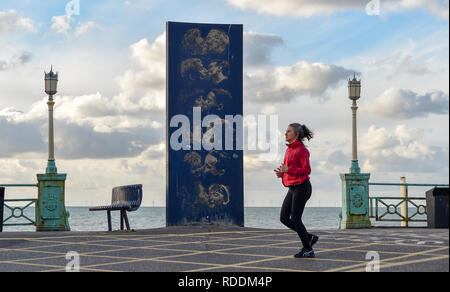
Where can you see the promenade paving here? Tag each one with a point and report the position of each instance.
(211, 248)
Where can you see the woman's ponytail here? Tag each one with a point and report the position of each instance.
(307, 133)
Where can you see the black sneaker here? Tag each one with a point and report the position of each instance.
(305, 254)
(314, 239)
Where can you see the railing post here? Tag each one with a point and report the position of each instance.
(404, 205)
(2, 201)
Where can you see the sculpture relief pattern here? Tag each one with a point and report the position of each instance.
(205, 72)
(215, 72)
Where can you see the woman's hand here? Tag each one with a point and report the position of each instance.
(278, 173)
(283, 168)
(280, 170)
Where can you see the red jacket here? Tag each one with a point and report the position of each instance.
(297, 160)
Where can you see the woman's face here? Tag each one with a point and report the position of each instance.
(290, 134)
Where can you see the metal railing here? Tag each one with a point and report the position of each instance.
(405, 202)
(18, 212)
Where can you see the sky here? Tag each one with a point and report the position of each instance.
(298, 54)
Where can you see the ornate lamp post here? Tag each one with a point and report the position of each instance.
(51, 84)
(354, 93)
(51, 210)
(355, 185)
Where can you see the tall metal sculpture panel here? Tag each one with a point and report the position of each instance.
(204, 78)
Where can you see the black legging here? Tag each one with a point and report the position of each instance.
(292, 210)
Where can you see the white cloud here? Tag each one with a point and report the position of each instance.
(285, 83)
(140, 5)
(377, 139)
(381, 144)
(156, 151)
(407, 135)
(381, 150)
(406, 104)
(150, 76)
(11, 21)
(84, 27)
(438, 8)
(269, 109)
(400, 150)
(61, 24)
(400, 63)
(300, 8)
(12, 61)
(308, 8)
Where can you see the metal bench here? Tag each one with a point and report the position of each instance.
(124, 199)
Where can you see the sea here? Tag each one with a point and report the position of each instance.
(81, 219)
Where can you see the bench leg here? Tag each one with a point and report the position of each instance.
(109, 220)
(125, 216)
(121, 219)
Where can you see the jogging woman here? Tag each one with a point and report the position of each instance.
(294, 173)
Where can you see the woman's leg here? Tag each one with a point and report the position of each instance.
(285, 216)
(286, 208)
(300, 196)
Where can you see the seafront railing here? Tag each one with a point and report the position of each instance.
(18, 213)
(380, 207)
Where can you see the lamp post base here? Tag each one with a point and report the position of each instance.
(51, 167)
(51, 212)
(355, 201)
(355, 167)
(354, 224)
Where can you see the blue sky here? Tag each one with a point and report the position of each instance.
(112, 56)
(316, 39)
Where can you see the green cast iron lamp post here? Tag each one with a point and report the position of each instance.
(355, 185)
(51, 88)
(354, 93)
(51, 211)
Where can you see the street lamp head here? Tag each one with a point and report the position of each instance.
(51, 82)
(354, 88)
